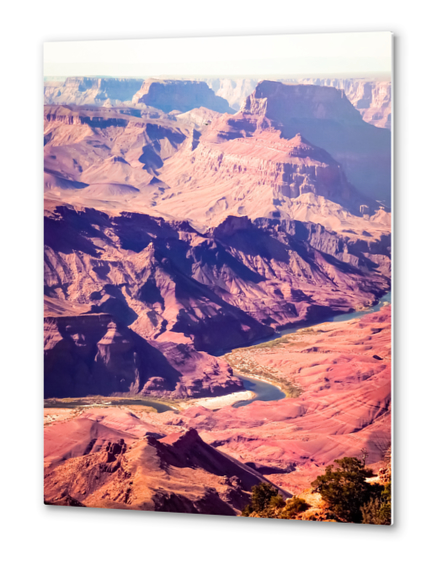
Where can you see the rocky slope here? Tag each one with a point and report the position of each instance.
(107, 155)
(112, 459)
(173, 286)
(344, 373)
(262, 175)
(219, 289)
(197, 118)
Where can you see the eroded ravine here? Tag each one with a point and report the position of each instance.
(262, 381)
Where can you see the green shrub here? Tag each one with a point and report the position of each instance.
(277, 502)
(262, 495)
(294, 506)
(247, 510)
(377, 511)
(345, 488)
(264, 500)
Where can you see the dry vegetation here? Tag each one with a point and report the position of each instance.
(242, 360)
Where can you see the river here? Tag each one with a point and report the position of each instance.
(267, 392)
(332, 318)
(264, 391)
(109, 401)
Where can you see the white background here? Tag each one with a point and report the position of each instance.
(31, 531)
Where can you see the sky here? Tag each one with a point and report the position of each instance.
(362, 54)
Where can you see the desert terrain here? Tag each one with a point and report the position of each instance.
(201, 237)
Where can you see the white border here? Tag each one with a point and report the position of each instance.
(32, 531)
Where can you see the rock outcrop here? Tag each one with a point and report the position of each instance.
(256, 175)
(129, 466)
(372, 98)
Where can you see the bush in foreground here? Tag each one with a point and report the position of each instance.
(348, 495)
(346, 490)
(267, 502)
(293, 507)
(377, 511)
(264, 499)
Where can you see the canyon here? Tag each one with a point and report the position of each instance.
(138, 279)
(184, 233)
(124, 455)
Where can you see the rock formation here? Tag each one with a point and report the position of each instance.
(217, 290)
(256, 176)
(327, 119)
(176, 231)
(122, 462)
(372, 98)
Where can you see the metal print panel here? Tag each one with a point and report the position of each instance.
(218, 276)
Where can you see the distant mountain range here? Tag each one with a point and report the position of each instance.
(372, 98)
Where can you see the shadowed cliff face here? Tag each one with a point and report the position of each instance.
(372, 98)
(185, 291)
(180, 95)
(93, 354)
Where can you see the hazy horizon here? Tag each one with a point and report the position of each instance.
(342, 76)
(351, 55)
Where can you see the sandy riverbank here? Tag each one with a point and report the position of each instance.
(218, 402)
